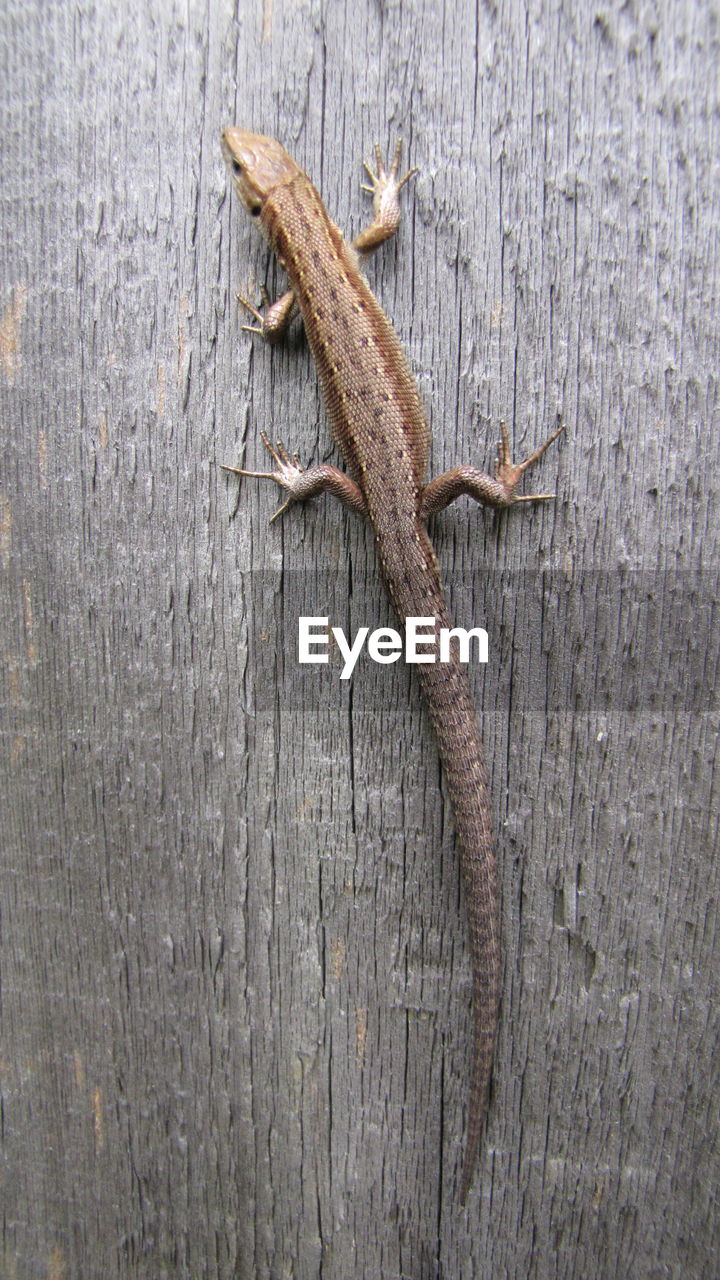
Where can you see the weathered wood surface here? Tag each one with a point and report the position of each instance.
(235, 982)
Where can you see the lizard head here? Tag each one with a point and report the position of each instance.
(258, 165)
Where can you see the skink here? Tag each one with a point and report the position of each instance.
(378, 423)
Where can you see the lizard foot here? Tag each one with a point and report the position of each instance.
(385, 188)
(288, 474)
(386, 181)
(509, 472)
(274, 319)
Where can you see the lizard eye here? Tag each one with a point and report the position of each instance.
(255, 210)
(237, 167)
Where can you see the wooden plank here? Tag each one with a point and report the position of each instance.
(235, 980)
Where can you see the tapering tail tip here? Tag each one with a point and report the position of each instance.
(483, 1054)
(468, 1170)
(471, 1157)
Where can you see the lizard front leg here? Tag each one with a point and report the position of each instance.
(492, 491)
(302, 484)
(273, 322)
(385, 190)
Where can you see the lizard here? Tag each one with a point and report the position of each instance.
(377, 421)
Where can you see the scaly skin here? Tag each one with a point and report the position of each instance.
(378, 422)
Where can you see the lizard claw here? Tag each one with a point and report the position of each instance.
(385, 186)
(275, 317)
(509, 472)
(261, 326)
(287, 474)
(384, 178)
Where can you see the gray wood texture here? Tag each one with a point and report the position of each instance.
(235, 981)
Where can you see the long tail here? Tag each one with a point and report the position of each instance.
(447, 693)
(413, 583)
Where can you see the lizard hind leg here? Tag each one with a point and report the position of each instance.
(301, 484)
(497, 490)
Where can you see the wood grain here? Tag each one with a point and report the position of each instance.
(235, 985)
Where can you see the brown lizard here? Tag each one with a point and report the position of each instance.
(378, 422)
